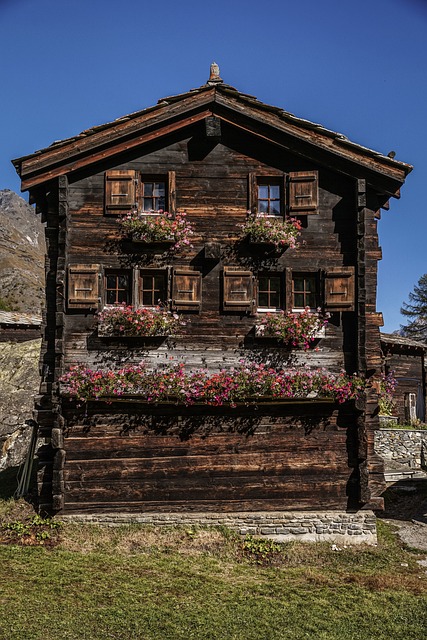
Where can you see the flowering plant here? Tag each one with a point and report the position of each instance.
(386, 386)
(126, 321)
(295, 329)
(281, 233)
(248, 383)
(158, 226)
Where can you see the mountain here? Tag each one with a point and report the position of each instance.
(22, 251)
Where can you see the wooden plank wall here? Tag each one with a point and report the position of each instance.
(209, 459)
(408, 368)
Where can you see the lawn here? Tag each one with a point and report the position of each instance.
(136, 582)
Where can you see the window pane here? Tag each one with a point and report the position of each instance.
(123, 282)
(148, 188)
(262, 206)
(146, 282)
(161, 203)
(299, 300)
(275, 300)
(298, 284)
(274, 191)
(310, 285)
(111, 297)
(158, 282)
(111, 282)
(311, 300)
(263, 283)
(263, 191)
(148, 204)
(275, 207)
(262, 299)
(159, 188)
(275, 284)
(147, 298)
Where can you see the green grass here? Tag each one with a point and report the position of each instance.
(145, 583)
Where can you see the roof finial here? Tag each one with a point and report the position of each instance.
(214, 77)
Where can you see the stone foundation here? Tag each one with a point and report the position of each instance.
(320, 526)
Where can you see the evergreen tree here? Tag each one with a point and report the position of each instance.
(416, 312)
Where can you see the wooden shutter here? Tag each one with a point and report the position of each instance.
(303, 196)
(186, 290)
(120, 191)
(238, 290)
(83, 286)
(171, 204)
(340, 289)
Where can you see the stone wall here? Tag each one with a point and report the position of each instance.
(406, 447)
(19, 383)
(320, 526)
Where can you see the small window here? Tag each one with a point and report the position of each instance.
(153, 195)
(270, 292)
(269, 198)
(304, 291)
(152, 288)
(117, 287)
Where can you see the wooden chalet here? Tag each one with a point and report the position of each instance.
(19, 327)
(404, 358)
(215, 154)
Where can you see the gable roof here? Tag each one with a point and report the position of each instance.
(239, 110)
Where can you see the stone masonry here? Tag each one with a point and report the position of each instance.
(406, 447)
(327, 526)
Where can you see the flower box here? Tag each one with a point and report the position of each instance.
(158, 229)
(292, 330)
(125, 322)
(272, 233)
(247, 384)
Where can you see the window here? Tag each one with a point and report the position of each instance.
(153, 196)
(129, 190)
(152, 288)
(304, 291)
(270, 292)
(295, 194)
(117, 287)
(269, 199)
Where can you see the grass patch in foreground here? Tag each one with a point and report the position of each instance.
(145, 583)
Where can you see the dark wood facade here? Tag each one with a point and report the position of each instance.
(405, 360)
(211, 148)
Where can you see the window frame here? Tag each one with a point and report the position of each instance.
(145, 179)
(269, 182)
(271, 274)
(305, 275)
(117, 273)
(164, 273)
(255, 180)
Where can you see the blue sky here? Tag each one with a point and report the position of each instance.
(357, 68)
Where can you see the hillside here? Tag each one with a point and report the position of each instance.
(22, 250)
